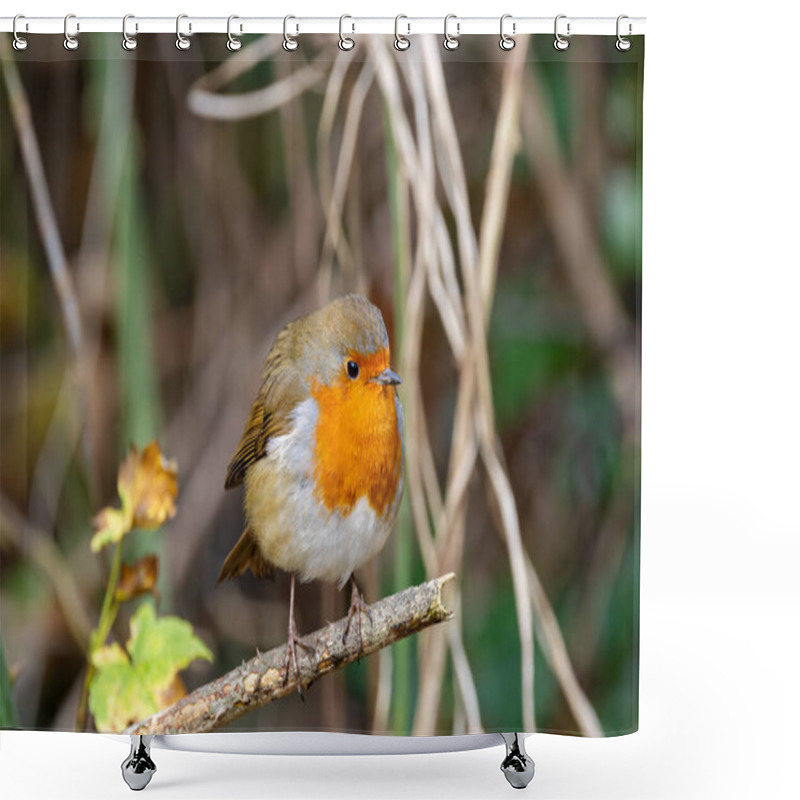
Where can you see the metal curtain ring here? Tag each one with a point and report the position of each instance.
(346, 42)
(451, 42)
(128, 42)
(182, 42)
(560, 42)
(233, 43)
(507, 42)
(401, 42)
(623, 44)
(70, 42)
(289, 42)
(19, 43)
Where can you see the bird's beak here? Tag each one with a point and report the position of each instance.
(387, 378)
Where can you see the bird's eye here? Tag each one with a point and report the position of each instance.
(352, 369)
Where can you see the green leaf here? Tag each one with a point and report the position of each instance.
(160, 647)
(131, 684)
(117, 696)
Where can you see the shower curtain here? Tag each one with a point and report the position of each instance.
(164, 213)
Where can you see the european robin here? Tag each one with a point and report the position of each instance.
(321, 457)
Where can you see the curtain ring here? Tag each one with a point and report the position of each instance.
(507, 42)
(233, 43)
(70, 42)
(623, 44)
(181, 41)
(451, 42)
(289, 42)
(128, 42)
(19, 43)
(560, 42)
(346, 42)
(401, 42)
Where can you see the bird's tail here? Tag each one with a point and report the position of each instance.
(245, 555)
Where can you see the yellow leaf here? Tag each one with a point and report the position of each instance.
(148, 485)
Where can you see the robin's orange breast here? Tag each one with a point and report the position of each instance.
(357, 448)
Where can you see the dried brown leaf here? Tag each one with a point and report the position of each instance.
(137, 579)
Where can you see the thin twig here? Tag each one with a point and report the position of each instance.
(261, 680)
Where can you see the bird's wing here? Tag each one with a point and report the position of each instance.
(281, 390)
(252, 446)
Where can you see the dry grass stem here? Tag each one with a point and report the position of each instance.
(433, 147)
(555, 650)
(507, 141)
(238, 64)
(465, 682)
(417, 156)
(335, 240)
(212, 105)
(447, 530)
(327, 119)
(452, 173)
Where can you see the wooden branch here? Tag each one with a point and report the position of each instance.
(260, 680)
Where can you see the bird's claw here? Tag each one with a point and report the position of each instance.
(357, 607)
(291, 657)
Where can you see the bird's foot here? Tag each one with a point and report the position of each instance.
(357, 608)
(291, 656)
